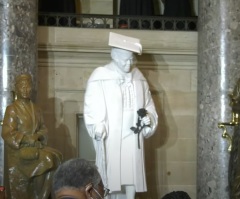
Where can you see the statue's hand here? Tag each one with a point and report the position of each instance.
(38, 145)
(30, 140)
(100, 132)
(25, 141)
(145, 121)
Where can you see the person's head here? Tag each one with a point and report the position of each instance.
(77, 179)
(123, 59)
(23, 86)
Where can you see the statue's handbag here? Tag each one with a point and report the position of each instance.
(29, 153)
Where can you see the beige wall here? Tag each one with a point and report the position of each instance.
(169, 62)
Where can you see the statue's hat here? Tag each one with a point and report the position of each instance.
(125, 42)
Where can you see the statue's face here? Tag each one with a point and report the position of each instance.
(123, 60)
(24, 89)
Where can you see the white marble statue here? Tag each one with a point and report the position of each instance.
(114, 94)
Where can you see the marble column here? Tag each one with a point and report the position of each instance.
(218, 71)
(18, 37)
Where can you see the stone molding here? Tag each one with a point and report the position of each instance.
(96, 40)
(79, 47)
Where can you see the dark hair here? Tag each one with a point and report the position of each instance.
(75, 173)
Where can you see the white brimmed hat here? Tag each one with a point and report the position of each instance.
(125, 42)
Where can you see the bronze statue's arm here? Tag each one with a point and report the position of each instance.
(42, 130)
(10, 133)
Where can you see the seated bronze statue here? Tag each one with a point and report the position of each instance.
(30, 163)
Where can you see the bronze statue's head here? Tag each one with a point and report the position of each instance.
(23, 86)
